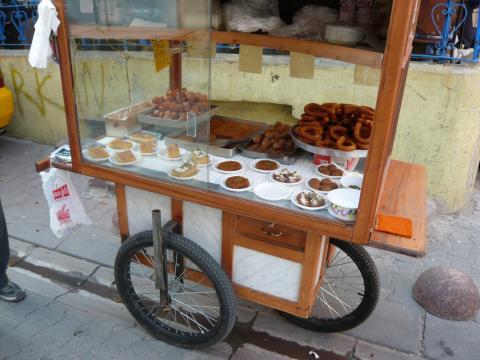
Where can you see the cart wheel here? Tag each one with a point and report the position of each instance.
(349, 292)
(202, 309)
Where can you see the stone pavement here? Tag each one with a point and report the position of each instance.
(71, 310)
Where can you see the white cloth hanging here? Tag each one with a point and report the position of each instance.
(47, 22)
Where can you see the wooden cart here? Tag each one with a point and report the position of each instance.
(273, 255)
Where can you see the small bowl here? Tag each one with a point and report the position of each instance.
(343, 203)
(352, 182)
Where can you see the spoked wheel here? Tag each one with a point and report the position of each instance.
(202, 306)
(349, 292)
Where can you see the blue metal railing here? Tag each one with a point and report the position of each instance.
(17, 19)
(456, 29)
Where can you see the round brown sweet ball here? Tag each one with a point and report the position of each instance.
(315, 183)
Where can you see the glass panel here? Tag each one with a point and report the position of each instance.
(142, 78)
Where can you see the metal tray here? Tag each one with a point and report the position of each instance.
(328, 152)
(221, 147)
(286, 159)
(145, 118)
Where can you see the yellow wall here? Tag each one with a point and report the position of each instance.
(438, 125)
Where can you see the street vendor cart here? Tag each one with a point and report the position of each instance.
(270, 212)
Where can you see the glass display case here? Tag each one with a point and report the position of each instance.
(142, 79)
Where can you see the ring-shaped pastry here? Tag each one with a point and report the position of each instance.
(345, 144)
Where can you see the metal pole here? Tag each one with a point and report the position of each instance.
(159, 251)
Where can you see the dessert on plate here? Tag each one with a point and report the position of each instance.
(186, 170)
(173, 151)
(310, 199)
(148, 148)
(124, 157)
(266, 165)
(98, 152)
(287, 177)
(142, 137)
(229, 166)
(118, 144)
(322, 184)
(200, 157)
(330, 170)
(237, 182)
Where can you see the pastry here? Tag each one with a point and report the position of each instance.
(118, 144)
(330, 170)
(200, 157)
(188, 169)
(322, 184)
(98, 152)
(143, 138)
(124, 157)
(229, 166)
(310, 199)
(266, 165)
(287, 177)
(344, 127)
(177, 103)
(173, 151)
(230, 129)
(276, 140)
(148, 148)
(237, 182)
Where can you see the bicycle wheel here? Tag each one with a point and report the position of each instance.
(349, 292)
(202, 309)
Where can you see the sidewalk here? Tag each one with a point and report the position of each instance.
(397, 328)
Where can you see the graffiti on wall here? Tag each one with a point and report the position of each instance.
(33, 93)
(91, 86)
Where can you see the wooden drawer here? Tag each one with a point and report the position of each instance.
(275, 233)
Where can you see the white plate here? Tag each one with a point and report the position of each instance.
(162, 153)
(307, 184)
(293, 199)
(229, 172)
(254, 162)
(87, 156)
(328, 176)
(134, 144)
(285, 184)
(272, 191)
(114, 162)
(138, 151)
(181, 178)
(224, 186)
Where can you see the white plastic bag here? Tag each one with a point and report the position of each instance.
(309, 23)
(252, 15)
(66, 209)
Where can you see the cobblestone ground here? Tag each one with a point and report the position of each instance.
(71, 313)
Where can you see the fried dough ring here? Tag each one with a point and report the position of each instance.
(363, 146)
(311, 133)
(335, 132)
(345, 144)
(316, 110)
(357, 134)
(325, 142)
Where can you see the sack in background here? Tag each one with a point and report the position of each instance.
(66, 209)
(309, 23)
(252, 15)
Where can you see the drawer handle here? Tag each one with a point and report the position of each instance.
(268, 229)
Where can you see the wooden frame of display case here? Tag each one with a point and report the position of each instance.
(393, 64)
